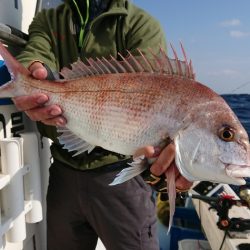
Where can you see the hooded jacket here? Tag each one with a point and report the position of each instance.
(117, 26)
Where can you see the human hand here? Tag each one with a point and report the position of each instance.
(34, 105)
(165, 158)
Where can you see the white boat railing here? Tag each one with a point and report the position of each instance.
(20, 187)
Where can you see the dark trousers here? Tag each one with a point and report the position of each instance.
(81, 206)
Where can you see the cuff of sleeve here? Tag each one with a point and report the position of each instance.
(28, 66)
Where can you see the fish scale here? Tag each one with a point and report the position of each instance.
(117, 127)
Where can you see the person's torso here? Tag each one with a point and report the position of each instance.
(102, 38)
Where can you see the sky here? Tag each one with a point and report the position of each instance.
(215, 35)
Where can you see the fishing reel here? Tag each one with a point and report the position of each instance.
(223, 203)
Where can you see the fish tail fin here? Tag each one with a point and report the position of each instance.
(15, 69)
(12, 64)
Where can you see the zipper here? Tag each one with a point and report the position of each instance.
(103, 15)
(85, 34)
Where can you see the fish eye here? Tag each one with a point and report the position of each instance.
(226, 134)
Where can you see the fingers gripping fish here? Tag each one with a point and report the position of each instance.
(124, 106)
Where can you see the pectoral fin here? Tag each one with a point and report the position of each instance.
(72, 142)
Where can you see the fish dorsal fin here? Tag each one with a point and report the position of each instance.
(157, 63)
(72, 142)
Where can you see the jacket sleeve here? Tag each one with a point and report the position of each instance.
(39, 45)
(40, 48)
(143, 31)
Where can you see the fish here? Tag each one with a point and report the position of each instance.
(125, 105)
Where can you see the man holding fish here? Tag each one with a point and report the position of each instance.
(100, 105)
(123, 216)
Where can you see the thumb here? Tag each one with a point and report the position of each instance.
(38, 71)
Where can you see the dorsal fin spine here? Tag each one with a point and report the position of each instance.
(158, 63)
(191, 69)
(188, 74)
(146, 61)
(169, 65)
(83, 69)
(177, 61)
(138, 65)
(87, 69)
(99, 69)
(107, 71)
(127, 63)
(92, 66)
(110, 64)
(77, 67)
(123, 70)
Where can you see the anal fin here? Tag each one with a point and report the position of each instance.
(137, 167)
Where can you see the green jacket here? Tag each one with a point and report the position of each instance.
(52, 40)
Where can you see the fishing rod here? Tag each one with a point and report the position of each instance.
(240, 86)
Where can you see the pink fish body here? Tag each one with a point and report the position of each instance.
(125, 111)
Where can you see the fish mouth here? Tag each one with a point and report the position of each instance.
(238, 172)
